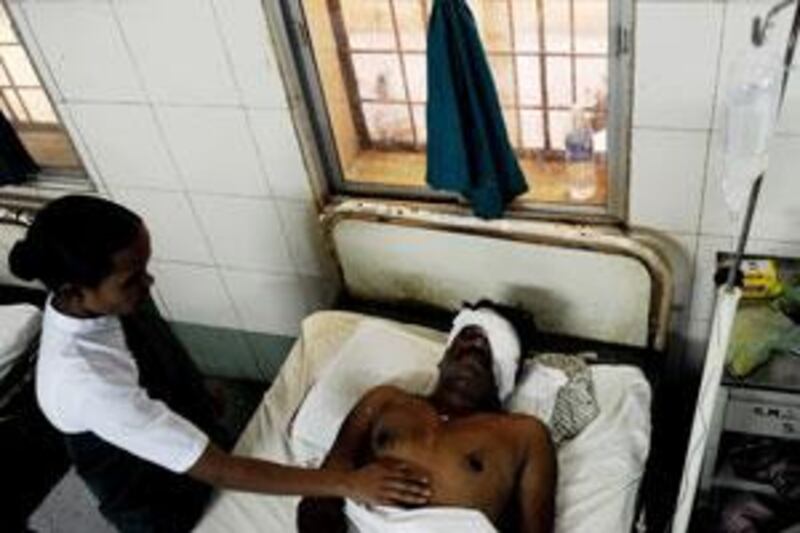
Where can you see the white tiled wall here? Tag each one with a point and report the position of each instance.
(183, 116)
(684, 50)
(180, 109)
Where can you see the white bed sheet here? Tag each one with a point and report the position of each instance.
(599, 471)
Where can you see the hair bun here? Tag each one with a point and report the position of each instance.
(21, 260)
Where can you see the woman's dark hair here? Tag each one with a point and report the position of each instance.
(73, 240)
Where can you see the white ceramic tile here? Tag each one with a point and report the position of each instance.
(703, 288)
(244, 232)
(214, 150)
(698, 341)
(679, 251)
(245, 32)
(84, 50)
(677, 48)
(737, 42)
(780, 249)
(789, 119)
(173, 228)
(126, 145)
(305, 239)
(677, 340)
(280, 151)
(267, 303)
(158, 298)
(667, 173)
(777, 215)
(177, 48)
(195, 294)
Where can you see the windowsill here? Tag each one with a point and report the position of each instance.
(45, 187)
(547, 181)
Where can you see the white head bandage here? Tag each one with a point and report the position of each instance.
(503, 341)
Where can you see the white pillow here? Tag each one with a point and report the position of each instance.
(19, 324)
(377, 353)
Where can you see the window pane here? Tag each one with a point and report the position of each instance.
(38, 106)
(556, 22)
(6, 31)
(368, 24)
(559, 81)
(532, 130)
(592, 81)
(493, 19)
(416, 70)
(420, 121)
(560, 125)
(371, 59)
(379, 76)
(17, 109)
(512, 125)
(528, 80)
(526, 26)
(591, 26)
(412, 22)
(503, 73)
(388, 124)
(4, 81)
(18, 65)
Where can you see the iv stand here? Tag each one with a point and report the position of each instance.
(758, 36)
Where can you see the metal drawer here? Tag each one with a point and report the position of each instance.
(760, 412)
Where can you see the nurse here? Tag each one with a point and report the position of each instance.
(139, 431)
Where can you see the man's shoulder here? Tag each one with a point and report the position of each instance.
(385, 392)
(527, 425)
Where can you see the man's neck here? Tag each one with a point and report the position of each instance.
(448, 407)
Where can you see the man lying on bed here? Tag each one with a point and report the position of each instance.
(478, 456)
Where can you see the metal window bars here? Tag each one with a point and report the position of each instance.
(408, 135)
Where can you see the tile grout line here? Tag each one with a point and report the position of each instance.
(282, 227)
(185, 192)
(693, 284)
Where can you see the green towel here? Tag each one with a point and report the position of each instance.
(468, 148)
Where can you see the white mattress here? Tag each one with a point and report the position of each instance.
(599, 471)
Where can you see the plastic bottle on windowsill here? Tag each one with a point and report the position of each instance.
(579, 158)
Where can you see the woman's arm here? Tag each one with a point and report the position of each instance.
(376, 483)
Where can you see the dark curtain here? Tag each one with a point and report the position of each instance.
(468, 147)
(16, 165)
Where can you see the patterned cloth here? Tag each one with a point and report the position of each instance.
(575, 405)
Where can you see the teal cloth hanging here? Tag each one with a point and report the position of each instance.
(468, 147)
(16, 165)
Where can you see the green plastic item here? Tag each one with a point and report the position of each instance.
(759, 332)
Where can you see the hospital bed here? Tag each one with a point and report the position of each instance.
(32, 453)
(591, 289)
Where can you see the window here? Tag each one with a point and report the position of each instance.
(554, 62)
(27, 108)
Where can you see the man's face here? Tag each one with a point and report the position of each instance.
(466, 370)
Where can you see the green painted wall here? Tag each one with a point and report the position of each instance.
(232, 353)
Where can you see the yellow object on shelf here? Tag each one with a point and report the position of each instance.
(761, 279)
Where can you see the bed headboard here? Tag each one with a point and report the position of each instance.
(586, 281)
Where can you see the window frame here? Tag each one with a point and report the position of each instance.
(294, 48)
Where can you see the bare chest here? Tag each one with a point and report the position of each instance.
(471, 460)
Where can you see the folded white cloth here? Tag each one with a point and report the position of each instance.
(502, 338)
(380, 519)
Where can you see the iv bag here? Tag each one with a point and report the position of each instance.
(750, 113)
